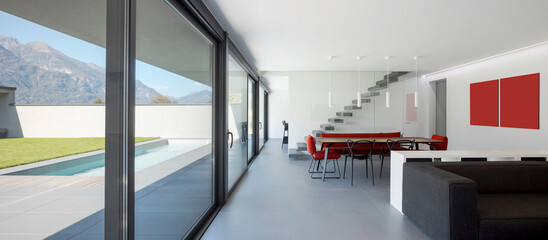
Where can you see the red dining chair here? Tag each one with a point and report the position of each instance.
(439, 146)
(318, 156)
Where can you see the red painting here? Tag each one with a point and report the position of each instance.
(519, 101)
(484, 103)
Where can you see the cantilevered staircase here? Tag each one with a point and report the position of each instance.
(341, 117)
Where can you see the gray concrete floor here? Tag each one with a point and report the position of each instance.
(170, 197)
(277, 199)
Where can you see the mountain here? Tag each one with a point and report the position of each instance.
(44, 75)
(196, 97)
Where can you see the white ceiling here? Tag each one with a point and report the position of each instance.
(298, 35)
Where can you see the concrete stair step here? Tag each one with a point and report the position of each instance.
(352, 107)
(301, 146)
(364, 100)
(370, 94)
(317, 133)
(295, 154)
(376, 88)
(335, 120)
(344, 114)
(327, 127)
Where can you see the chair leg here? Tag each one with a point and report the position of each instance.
(344, 173)
(311, 166)
(372, 172)
(352, 171)
(338, 167)
(366, 169)
(382, 163)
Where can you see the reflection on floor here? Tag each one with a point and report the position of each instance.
(278, 200)
(171, 196)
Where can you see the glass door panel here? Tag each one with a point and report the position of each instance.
(174, 171)
(250, 117)
(237, 121)
(261, 117)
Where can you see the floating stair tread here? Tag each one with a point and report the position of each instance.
(317, 133)
(336, 120)
(327, 127)
(364, 100)
(344, 114)
(352, 107)
(370, 94)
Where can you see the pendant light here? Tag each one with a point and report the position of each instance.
(359, 94)
(330, 82)
(387, 81)
(417, 78)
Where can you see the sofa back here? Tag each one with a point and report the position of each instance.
(503, 177)
(358, 135)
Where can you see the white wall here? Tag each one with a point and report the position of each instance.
(459, 131)
(8, 114)
(278, 110)
(305, 104)
(166, 121)
(174, 121)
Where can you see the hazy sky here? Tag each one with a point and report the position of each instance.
(25, 31)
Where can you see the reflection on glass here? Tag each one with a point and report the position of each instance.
(237, 121)
(173, 174)
(52, 163)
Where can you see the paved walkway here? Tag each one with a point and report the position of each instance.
(170, 197)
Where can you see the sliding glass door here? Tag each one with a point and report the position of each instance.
(237, 101)
(173, 96)
(262, 126)
(251, 118)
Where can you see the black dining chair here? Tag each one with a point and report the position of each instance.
(398, 145)
(361, 149)
(285, 135)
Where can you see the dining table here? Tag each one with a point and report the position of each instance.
(327, 142)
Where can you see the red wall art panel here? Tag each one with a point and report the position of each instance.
(519, 101)
(484, 103)
(410, 109)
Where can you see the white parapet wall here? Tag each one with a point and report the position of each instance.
(166, 121)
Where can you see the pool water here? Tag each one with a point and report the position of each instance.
(95, 165)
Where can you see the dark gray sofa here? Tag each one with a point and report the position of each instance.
(477, 200)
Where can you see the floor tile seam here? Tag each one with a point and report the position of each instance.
(93, 224)
(64, 212)
(41, 205)
(14, 215)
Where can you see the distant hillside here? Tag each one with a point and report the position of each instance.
(44, 75)
(203, 96)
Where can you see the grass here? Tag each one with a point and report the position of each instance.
(19, 151)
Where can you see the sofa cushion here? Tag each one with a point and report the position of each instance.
(503, 177)
(513, 216)
(513, 205)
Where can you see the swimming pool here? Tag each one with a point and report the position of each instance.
(146, 155)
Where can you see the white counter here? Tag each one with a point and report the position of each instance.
(397, 158)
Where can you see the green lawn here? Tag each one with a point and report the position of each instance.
(19, 151)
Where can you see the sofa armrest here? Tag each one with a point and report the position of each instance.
(443, 204)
